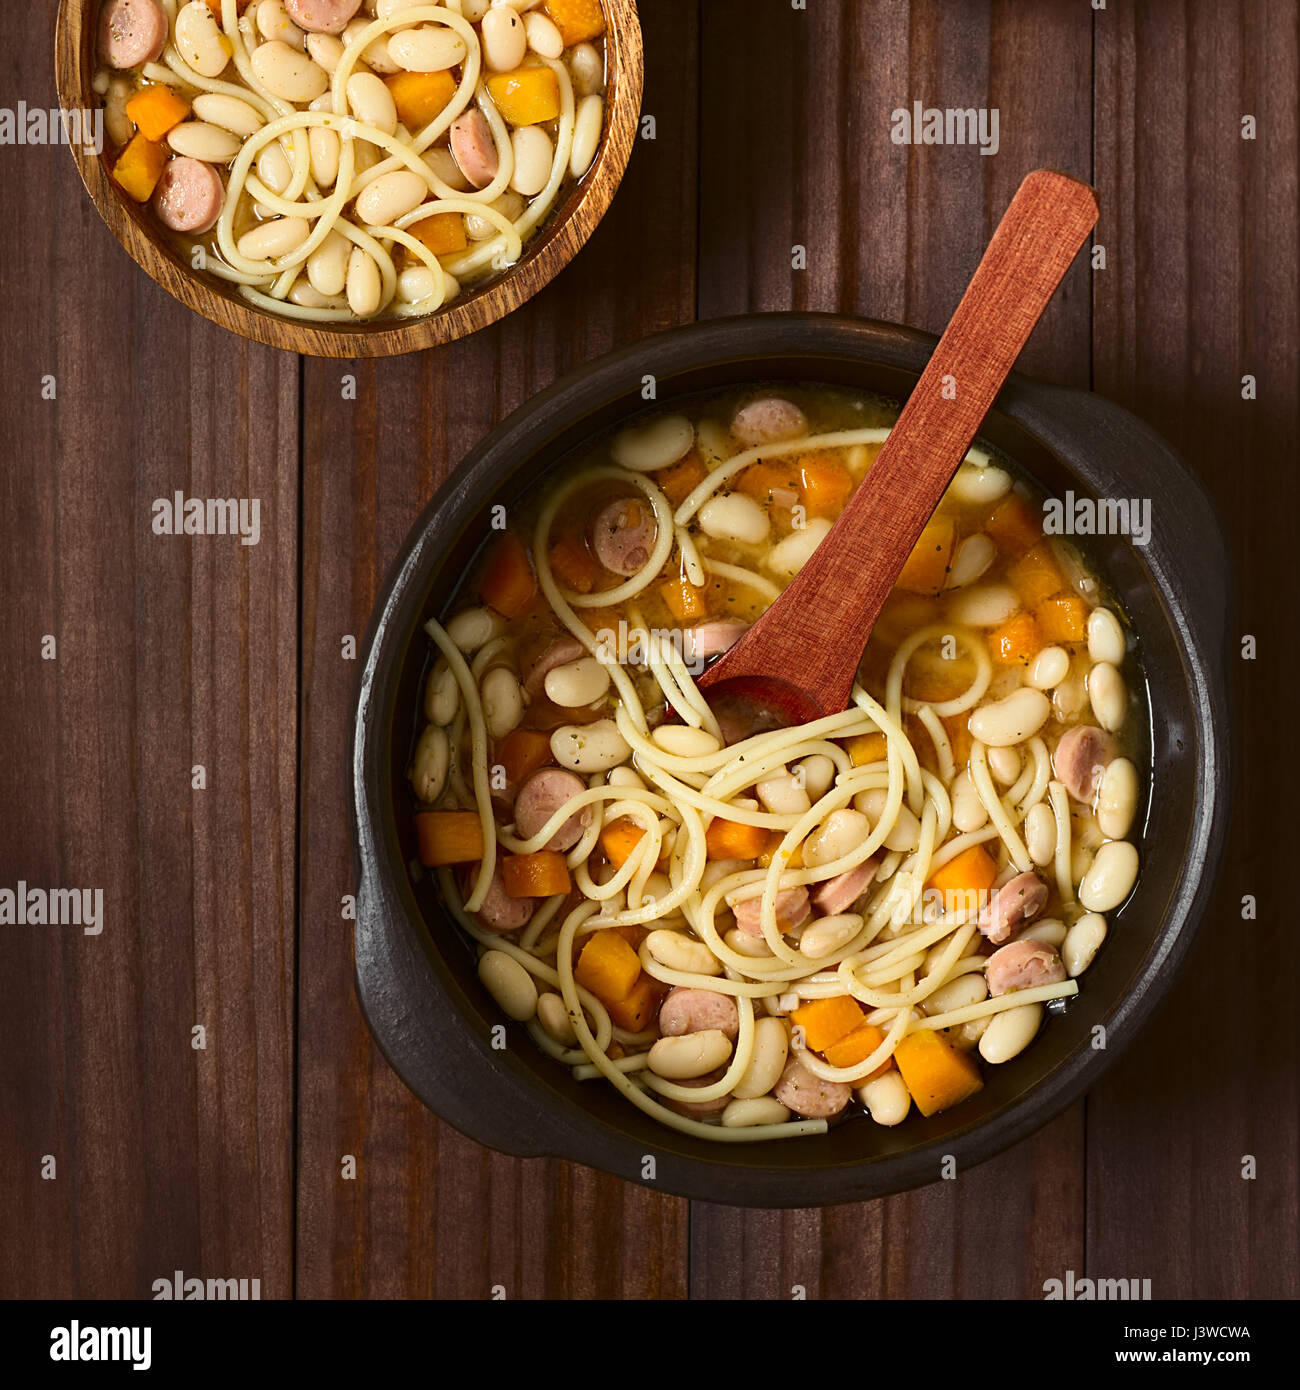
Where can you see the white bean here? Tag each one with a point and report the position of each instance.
(746, 945)
(430, 763)
(960, 993)
(1004, 764)
(1117, 799)
(677, 951)
(787, 557)
(391, 196)
(1010, 1032)
(645, 448)
(371, 101)
(510, 205)
(306, 295)
(766, 1062)
(543, 37)
(199, 39)
(376, 54)
(327, 266)
(828, 934)
(974, 555)
(288, 74)
(534, 155)
(273, 167)
(761, 1110)
(554, 1018)
(1110, 877)
(684, 742)
(839, 834)
(968, 811)
(905, 833)
(504, 38)
(588, 69)
(986, 605)
(503, 701)
(783, 794)
(588, 125)
(1046, 929)
(689, 1055)
(509, 984)
(274, 23)
(119, 125)
(230, 113)
(443, 164)
(1049, 668)
(1105, 637)
(589, 747)
(430, 48)
(474, 10)
(577, 683)
(1012, 720)
(818, 775)
(734, 517)
(1040, 834)
(199, 140)
(980, 484)
(272, 239)
(1082, 942)
(886, 1099)
(1107, 695)
(325, 50)
(325, 148)
(1070, 697)
(623, 777)
(473, 628)
(441, 694)
(364, 286)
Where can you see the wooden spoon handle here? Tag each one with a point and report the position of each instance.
(818, 627)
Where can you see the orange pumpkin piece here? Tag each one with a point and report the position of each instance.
(1013, 525)
(509, 585)
(926, 568)
(824, 484)
(971, 871)
(156, 109)
(856, 1047)
(607, 966)
(682, 478)
(526, 96)
(420, 97)
(773, 844)
(441, 233)
(542, 874)
(522, 752)
(826, 1021)
(636, 1010)
(867, 748)
(935, 1073)
(778, 483)
(1063, 618)
(449, 837)
(959, 736)
(619, 838)
(577, 20)
(573, 564)
(1036, 575)
(139, 167)
(685, 602)
(733, 839)
(1017, 641)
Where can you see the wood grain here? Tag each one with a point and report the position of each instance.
(554, 246)
(171, 652)
(431, 1213)
(1200, 291)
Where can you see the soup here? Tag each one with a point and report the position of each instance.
(753, 932)
(339, 160)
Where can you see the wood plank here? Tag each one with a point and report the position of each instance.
(171, 651)
(1200, 290)
(893, 232)
(431, 1213)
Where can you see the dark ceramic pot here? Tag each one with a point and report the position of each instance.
(415, 974)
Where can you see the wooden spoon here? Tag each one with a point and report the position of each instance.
(800, 659)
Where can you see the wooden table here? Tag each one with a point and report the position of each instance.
(771, 131)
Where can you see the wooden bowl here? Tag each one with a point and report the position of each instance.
(550, 250)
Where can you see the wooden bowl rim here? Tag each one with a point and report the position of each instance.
(561, 238)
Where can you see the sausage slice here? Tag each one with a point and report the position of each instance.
(560, 652)
(792, 910)
(1023, 965)
(131, 32)
(768, 420)
(698, 1109)
(838, 894)
(808, 1095)
(189, 196)
(500, 912)
(693, 1010)
(707, 640)
(1081, 757)
(540, 797)
(624, 535)
(1014, 904)
(322, 16)
(473, 148)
